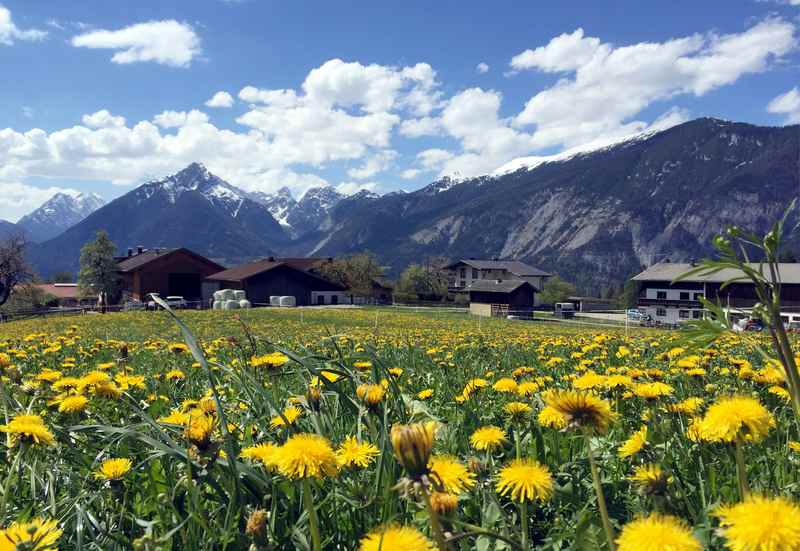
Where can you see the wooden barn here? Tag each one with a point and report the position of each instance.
(168, 272)
(274, 277)
(496, 297)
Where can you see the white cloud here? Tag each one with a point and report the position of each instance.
(425, 126)
(165, 42)
(18, 199)
(482, 68)
(563, 53)
(28, 112)
(220, 99)
(9, 32)
(373, 165)
(432, 159)
(177, 119)
(349, 188)
(276, 98)
(787, 104)
(612, 84)
(102, 119)
(410, 173)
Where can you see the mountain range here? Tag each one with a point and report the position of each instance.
(594, 217)
(57, 214)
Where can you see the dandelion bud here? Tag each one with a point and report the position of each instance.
(371, 395)
(443, 503)
(313, 396)
(257, 524)
(412, 446)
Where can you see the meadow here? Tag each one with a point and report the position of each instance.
(369, 429)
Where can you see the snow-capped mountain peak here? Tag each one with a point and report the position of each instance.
(62, 211)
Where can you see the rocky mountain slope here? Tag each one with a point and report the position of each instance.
(192, 208)
(595, 218)
(309, 214)
(59, 213)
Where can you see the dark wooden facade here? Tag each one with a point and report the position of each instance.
(277, 279)
(521, 298)
(175, 272)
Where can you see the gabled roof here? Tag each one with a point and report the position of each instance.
(137, 261)
(60, 290)
(246, 271)
(515, 267)
(494, 286)
(668, 271)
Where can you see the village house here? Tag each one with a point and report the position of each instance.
(269, 277)
(464, 272)
(166, 272)
(65, 295)
(673, 303)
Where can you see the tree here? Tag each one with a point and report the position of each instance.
(556, 290)
(98, 273)
(417, 282)
(28, 297)
(629, 296)
(13, 267)
(355, 272)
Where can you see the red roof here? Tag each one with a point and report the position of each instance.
(60, 290)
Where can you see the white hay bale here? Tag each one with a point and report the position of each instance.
(231, 305)
(274, 300)
(239, 295)
(288, 301)
(244, 303)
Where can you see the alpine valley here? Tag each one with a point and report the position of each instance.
(593, 217)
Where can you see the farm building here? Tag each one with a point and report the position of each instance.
(168, 272)
(669, 302)
(66, 294)
(591, 304)
(499, 297)
(275, 277)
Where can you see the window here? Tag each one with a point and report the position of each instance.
(474, 273)
(661, 295)
(697, 314)
(463, 273)
(685, 295)
(661, 312)
(683, 314)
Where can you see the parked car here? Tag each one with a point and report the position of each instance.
(754, 324)
(174, 301)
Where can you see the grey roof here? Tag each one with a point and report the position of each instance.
(668, 271)
(513, 266)
(494, 286)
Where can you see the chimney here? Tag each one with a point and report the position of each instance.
(130, 252)
(271, 259)
(139, 249)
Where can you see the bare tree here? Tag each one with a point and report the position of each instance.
(13, 267)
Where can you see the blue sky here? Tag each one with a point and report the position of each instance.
(103, 95)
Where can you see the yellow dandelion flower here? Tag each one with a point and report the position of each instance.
(306, 456)
(424, 394)
(794, 446)
(28, 428)
(371, 395)
(292, 414)
(551, 417)
(527, 388)
(452, 475)
(199, 429)
(657, 533)
(352, 453)
(689, 406)
(35, 535)
(653, 391)
(634, 444)
(265, 452)
(272, 360)
(651, 479)
(444, 503)
(73, 404)
(175, 375)
(582, 409)
(525, 480)
(488, 438)
(505, 384)
(736, 417)
(517, 410)
(396, 538)
(114, 469)
(760, 524)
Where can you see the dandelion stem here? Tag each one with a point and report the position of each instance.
(523, 515)
(741, 470)
(313, 519)
(436, 526)
(601, 500)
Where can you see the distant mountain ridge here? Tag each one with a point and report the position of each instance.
(60, 212)
(191, 208)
